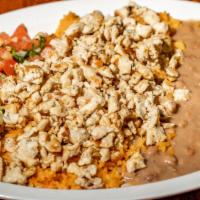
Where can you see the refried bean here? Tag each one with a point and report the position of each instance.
(187, 141)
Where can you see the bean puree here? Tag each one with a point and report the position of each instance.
(187, 142)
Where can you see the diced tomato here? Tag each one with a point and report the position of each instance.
(21, 45)
(1, 65)
(5, 38)
(5, 54)
(8, 66)
(20, 39)
(2, 50)
(21, 31)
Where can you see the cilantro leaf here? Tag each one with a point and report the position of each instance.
(22, 55)
(19, 56)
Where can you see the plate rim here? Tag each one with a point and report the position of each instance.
(186, 183)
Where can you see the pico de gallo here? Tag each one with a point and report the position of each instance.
(17, 48)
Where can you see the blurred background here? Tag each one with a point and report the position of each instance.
(8, 5)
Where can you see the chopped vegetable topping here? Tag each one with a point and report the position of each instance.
(20, 56)
(4, 39)
(20, 39)
(8, 67)
(17, 48)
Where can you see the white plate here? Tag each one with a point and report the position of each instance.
(45, 18)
